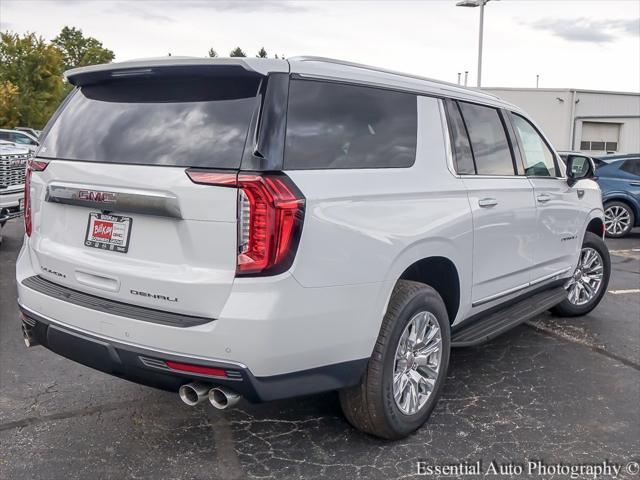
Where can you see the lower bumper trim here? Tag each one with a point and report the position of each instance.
(146, 367)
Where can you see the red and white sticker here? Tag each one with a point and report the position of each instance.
(108, 232)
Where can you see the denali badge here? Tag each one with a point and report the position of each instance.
(52, 272)
(97, 196)
(153, 295)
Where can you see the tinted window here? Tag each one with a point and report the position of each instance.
(488, 140)
(631, 166)
(332, 125)
(22, 139)
(538, 159)
(460, 140)
(180, 121)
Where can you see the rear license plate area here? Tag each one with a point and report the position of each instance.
(108, 232)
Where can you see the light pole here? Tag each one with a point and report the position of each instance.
(481, 4)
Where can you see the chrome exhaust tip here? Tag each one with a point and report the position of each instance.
(221, 397)
(194, 393)
(27, 336)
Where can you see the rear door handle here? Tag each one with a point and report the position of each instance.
(634, 184)
(487, 202)
(543, 198)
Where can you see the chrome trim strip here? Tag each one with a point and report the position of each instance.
(498, 295)
(549, 277)
(115, 199)
(504, 293)
(135, 345)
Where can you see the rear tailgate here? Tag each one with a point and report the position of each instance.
(181, 259)
(114, 213)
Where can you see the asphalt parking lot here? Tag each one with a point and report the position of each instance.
(554, 390)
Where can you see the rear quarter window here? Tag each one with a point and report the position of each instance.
(340, 126)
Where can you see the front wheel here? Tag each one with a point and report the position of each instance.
(408, 366)
(589, 282)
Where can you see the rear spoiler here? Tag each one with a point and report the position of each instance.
(175, 66)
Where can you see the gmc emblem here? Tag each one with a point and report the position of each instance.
(18, 162)
(93, 196)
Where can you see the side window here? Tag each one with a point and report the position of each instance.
(536, 155)
(631, 166)
(460, 141)
(488, 138)
(5, 136)
(21, 139)
(334, 125)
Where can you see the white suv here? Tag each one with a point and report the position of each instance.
(271, 228)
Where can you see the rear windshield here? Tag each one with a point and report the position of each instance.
(173, 121)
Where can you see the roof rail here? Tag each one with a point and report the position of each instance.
(309, 58)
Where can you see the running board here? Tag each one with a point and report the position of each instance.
(498, 322)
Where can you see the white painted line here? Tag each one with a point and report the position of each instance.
(625, 251)
(621, 292)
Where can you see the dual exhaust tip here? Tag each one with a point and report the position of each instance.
(220, 397)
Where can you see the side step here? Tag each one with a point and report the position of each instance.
(496, 323)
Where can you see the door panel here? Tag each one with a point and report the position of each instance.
(561, 213)
(504, 222)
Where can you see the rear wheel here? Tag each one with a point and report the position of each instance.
(589, 282)
(406, 372)
(618, 219)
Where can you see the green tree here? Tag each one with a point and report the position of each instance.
(237, 52)
(213, 53)
(9, 105)
(34, 68)
(262, 53)
(79, 51)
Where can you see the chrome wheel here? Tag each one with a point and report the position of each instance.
(417, 362)
(587, 279)
(617, 220)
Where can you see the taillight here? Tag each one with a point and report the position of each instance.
(32, 166)
(270, 217)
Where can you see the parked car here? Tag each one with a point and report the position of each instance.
(255, 228)
(13, 161)
(31, 131)
(619, 180)
(20, 138)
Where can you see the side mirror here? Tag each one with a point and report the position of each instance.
(579, 167)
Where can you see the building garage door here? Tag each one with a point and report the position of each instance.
(600, 137)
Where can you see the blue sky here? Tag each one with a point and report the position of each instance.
(569, 43)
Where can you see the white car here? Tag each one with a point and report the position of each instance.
(18, 137)
(13, 162)
(265, 229)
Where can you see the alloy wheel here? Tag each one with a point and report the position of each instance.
(586, 281)
(417, 362)
(616, 220)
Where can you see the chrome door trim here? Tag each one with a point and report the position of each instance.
(115, 199)
(510, 291)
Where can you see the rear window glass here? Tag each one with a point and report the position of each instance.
(175, 121)
(333, 126)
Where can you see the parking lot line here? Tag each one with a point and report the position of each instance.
(621, 292)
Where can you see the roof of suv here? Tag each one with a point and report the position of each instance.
(303, 66)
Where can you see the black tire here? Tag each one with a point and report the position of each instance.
(568, 309)
(370, 405)
(629, 211)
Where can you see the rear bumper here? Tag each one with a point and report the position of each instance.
(148, 367)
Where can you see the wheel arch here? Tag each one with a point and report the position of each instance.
(441, 274)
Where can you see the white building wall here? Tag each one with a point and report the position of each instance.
(551, 109)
